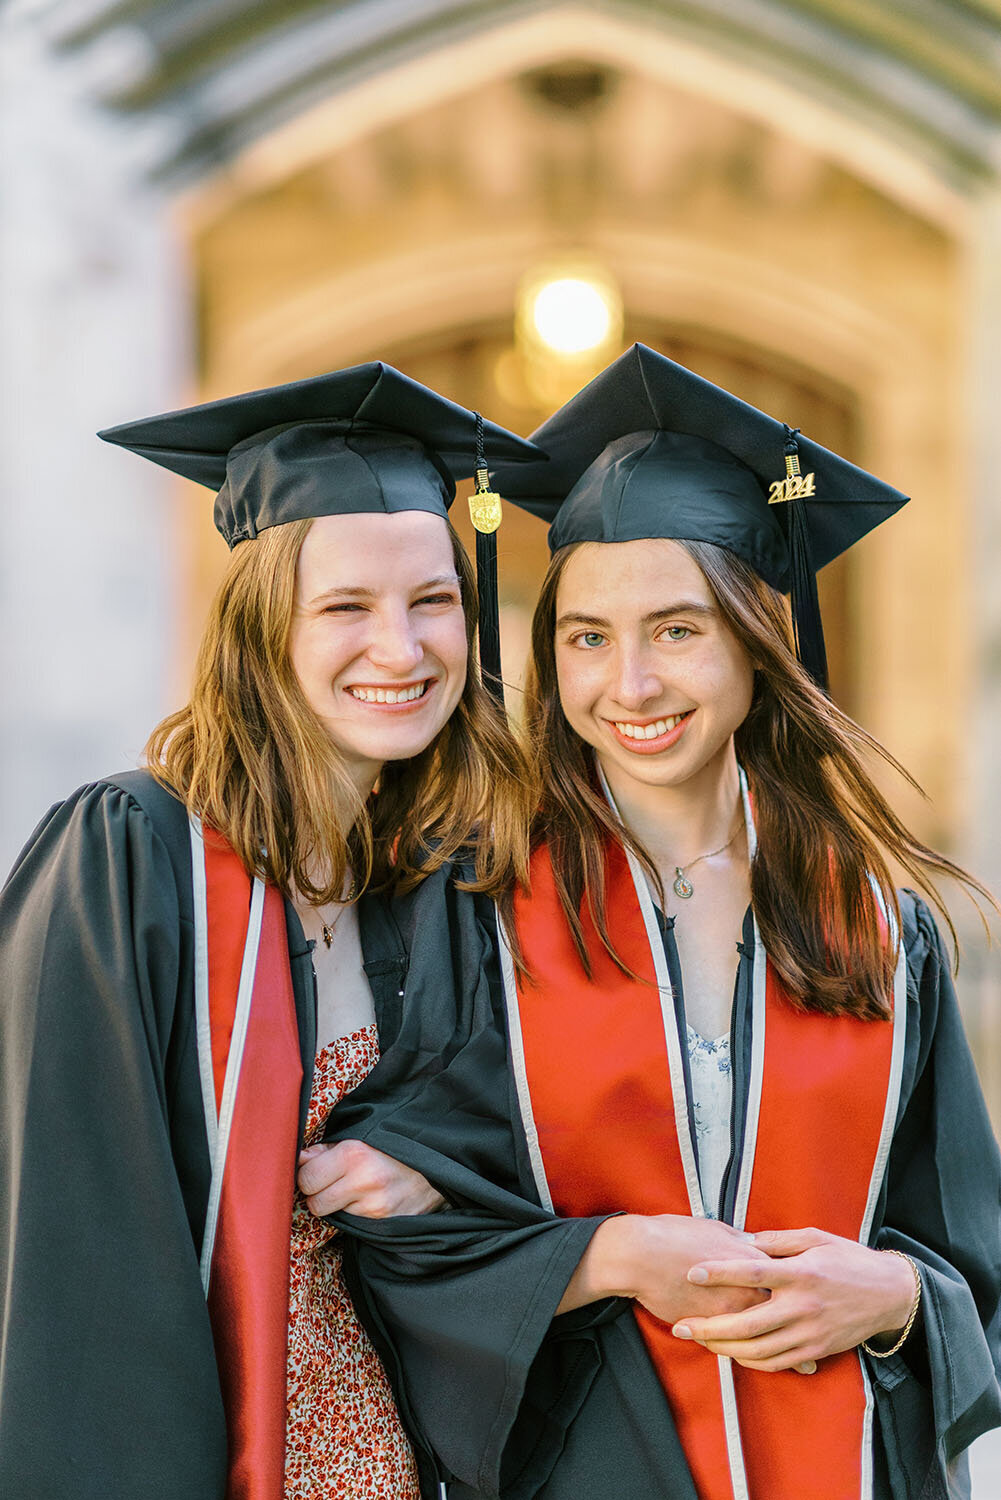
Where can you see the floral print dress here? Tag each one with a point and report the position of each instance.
(343, 1435)
(709, 1069)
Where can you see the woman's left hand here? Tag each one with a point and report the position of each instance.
(827, 1294)
(358, 1179)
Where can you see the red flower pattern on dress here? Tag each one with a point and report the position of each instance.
(343, 1435)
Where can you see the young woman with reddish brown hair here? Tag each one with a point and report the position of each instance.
(733, 1056)
(191, 980)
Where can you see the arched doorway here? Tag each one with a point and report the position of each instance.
(738, 247)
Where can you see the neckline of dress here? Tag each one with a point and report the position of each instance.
(359, 1034)
(708, 1042)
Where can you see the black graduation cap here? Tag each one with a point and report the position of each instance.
(649, 449)
(358, 440)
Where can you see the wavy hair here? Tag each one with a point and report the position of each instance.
(825, 832)
(250, 757)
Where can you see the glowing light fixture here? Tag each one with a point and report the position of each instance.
(568, 324)
(571, 315)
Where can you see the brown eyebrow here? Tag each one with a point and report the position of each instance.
(451, 579)
(346, 593)
(683, 607)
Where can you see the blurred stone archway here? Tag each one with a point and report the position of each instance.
(800, 200)
(737, 243)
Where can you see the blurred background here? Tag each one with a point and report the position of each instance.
(800, 199)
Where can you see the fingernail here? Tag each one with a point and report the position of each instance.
(682, 1331)
(699, 1275)
(808, 1367)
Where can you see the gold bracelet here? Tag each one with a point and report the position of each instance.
(885, 1353)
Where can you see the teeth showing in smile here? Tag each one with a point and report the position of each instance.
(649, 731)
(389, 695)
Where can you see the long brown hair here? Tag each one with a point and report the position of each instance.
(825, 832)
(250, 757)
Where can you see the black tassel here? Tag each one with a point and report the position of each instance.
(807, 625)
(485, 510)
(489, 618)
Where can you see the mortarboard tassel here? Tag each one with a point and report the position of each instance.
(489, 626)
(806, 621)
(485, 510)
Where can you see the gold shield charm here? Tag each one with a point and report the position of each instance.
(484, 504)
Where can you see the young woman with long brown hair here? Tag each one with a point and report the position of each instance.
(189, 985)
(734, 1053)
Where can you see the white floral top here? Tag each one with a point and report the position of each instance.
(709, 1065)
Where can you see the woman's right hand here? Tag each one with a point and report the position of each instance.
(648, 1258)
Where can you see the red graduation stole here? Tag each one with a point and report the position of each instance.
(251, 1069)
(599, 1073)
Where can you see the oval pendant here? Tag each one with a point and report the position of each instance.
(682, 887)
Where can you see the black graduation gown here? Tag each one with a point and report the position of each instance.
(456, 1301)
(108, 1381)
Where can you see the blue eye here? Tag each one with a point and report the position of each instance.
(590, 639)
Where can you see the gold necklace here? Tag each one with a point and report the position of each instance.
(682, 886)
(329, 927)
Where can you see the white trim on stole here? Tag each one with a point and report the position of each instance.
(218, 1128)
(203, 1029)
(882, 1156)
(517, 1045)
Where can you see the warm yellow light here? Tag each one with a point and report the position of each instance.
(568, 323)
(572, 315)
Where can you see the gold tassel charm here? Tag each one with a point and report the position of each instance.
(484, 504)
(795, 486)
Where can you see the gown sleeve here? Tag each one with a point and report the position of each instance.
(942, 1208)
(460, 1303)
(107, 1377)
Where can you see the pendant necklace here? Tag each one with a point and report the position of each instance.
(681, 886)
(329, 927)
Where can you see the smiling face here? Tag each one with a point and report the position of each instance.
(649, 673)
(378, 639)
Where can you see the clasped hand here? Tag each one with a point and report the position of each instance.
(777, 1300)
(818, 1295)
(358, 1179)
